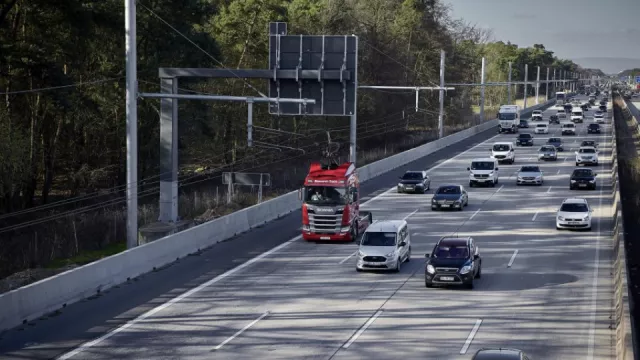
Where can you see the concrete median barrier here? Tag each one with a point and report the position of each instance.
(32, 301)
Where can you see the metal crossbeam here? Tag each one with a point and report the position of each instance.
(275, 74)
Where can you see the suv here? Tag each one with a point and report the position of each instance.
(574, 213)
(586, 155)
(524, 139)
(568, 128)
(593, 128)
(384, 245)
(583, 179)
(536, 115)
(503, 151)
(454, 261)
(483, 171)
(414, 182)
(598, 117)
(553, 119)
(500, 354)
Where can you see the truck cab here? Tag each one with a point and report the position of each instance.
(331, 203)
(508, 118)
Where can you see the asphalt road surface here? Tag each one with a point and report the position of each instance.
(545, 291)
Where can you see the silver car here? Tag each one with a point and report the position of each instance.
(530, 174)
(548, 152)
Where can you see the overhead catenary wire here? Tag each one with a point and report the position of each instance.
(62, 87)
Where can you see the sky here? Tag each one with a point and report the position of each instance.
(572, 29)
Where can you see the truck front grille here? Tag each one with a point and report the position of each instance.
(325, 224)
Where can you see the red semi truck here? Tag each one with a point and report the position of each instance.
(331, 203)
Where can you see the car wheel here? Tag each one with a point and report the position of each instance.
(577, 164)
(479, 274)
(398, 265)
(427, 285)
(470, 285)
(358, 269)
(408, 255)
(429, 185)
(433, 208)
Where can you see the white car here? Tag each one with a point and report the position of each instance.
(574, 213)
(536, 115)
(541, 129)
(568, 128)
(503, 151)
(586, 155)
(385, 245)
(599, 118)
(577, 116)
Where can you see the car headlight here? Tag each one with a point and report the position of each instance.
(519, 178)
(538, 177)
(560, 218)
(466, 269)
(400, 185)
(491, 173)
(586, 218)
(361, 254)
(592, 181)
(391, 254)
(431, 269)
(433, 200)
(573, 181)
(420, 185)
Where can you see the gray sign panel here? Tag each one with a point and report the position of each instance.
(238, 178)
(333, 59)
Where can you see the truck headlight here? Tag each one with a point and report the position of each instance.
(431, 269)
(306, 228)
(466, 269)
(345, 229)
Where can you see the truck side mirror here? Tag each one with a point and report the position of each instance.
(300, 194)
(468, 169)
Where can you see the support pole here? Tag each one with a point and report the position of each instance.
(417, 100)
(132, 122)
(538, 87)
(230, 189)
(260, 190)
(509, 83)
(441, 98)
(547, 84)
(168, 152)
(250, 124)
(482, 87)
(354, 117)
(555, 83)
(526, 80)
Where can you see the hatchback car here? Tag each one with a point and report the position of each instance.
(593, 128)
(557, 142)
(414, 182)
(547, 152)
(553, 119)
(500, 354)
(454, 261)
(523, 124)
(583, 179)
(385, 245)
(450, 197)
(530, 174)
(574, 213)
(598, 117)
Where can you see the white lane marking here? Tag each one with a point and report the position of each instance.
(497, 191)
(242, 330)
(594, 285)
(513, 258)
(410, 215)
(362, 329)
(472, 334)
(175, 300)
(474, 214)
(535, 216)
(549, 190)
(348, 257)
(558, 173)
(565, 159)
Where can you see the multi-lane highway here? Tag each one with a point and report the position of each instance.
(545, 291)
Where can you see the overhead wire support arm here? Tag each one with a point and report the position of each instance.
(417, 89)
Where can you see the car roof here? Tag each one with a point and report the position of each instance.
(497, 354)
(503, 143)
(587, 147)
(449, 185)
(386, 226)
(574, 201)
(414, 171)
(555, 139)
(452, 240)
(484, 159)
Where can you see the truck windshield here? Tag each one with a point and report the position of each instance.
(507, 116)
(378, 239)
(325, 195)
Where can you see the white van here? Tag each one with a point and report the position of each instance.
(503, 151)
(541, 129)
(576, 115)
(385, 245)
(483, 171)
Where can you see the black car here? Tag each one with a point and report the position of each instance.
(500, 354)
(584, 107)
(557, 142)
(553, 119)
(589, 143)
(603, 108)
(454, 261)
(593, 129)
(414, 182)
(583, 179)
(450, 197)
(592, 101)
(523, 124)
(524, 139)
(568, 108)
(603, 102)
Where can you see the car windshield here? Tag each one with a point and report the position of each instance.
(537, 112)
(547, 148)
(482, 165)
(500, 147)
(582, 173)
(541, 125)
(554, 140)
(378, 239)
(588, 143)
(587, 151)
(576, 113)
(506, 116)
(568, 125)
(529, 169)
(325, 195)
(449, 190)
(574, 207)
(412, 176)
(447, 251)
(525, 136)
(594, 126)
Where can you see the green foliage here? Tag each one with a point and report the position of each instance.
(71, 141)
